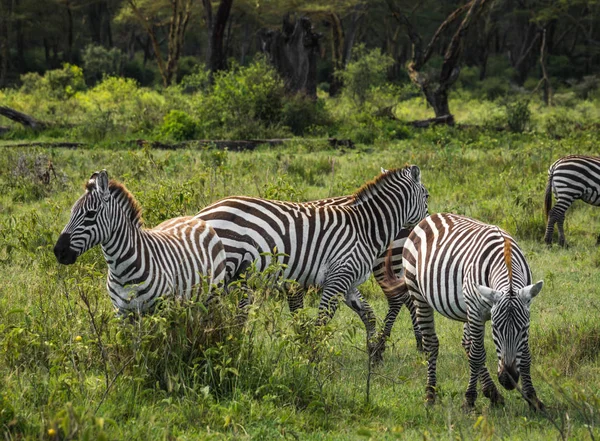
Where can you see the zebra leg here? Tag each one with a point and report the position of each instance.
(355, 300)
(395, 301)
(431, 344)
(328, 305)
(528, 390)
(410, 304)
(557, 216)
(476, 359)
(489, 387)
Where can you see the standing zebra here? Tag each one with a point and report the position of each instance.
(470, 271)
(173, 258)
(328, 246)
(395, 299)
(572, 177)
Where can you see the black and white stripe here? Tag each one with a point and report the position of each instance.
(394, 299)
(570, 178)
(333, 247)
(472, 272)
(175, 258)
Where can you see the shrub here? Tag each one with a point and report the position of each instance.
(301, 113)
(518, 115)
(197, 80)
(99, 62)
(494, 87)
(245, 102)
(58, 84)
(367, 71)
(178, 125)
(560, 124)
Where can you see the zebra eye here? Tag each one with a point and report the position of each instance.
(91, 214)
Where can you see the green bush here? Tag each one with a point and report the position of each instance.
(178, 126)
(494, 87)
(301, 114)
(197, 80)
(99, 62)
(58, 84)
(245, 102)
(560, 124)
(366, 72)
(518, 115)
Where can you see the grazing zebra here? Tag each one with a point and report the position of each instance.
(572, 177)
(395, 301)
(470, 271)
(328, 246)
(173, 258)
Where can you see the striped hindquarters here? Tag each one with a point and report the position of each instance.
(446, 254)
(576, 177)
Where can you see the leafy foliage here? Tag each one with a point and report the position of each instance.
(366, 72)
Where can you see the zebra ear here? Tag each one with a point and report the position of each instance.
(529, 292)
(416, 173)
(488, 293)
(384, 170)
(99, 182)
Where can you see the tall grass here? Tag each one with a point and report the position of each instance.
(70, 369)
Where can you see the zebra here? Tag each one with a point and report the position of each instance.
(395, 302)
(470, 272)
(326, 246)
(173, 258)
(571, 177)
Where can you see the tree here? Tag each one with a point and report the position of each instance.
(293, 51)
(216, 25)
(436, 89)
(153, 15)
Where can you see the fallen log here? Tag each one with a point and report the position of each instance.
(63, 144)
(233, 145)
(424, 123)
(22, 118)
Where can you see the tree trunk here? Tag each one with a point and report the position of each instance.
(337, 53)
(436, 89)
(216, 33)
(22, 118)
(293, 51)
(6, 14)
(69, 51)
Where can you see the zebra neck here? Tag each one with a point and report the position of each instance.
(126, 252)
(380, 218)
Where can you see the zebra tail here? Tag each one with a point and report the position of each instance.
(548, 195)
(392, 285)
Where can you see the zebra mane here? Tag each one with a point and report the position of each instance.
(508, 259)
(371, 188)
(127, 201)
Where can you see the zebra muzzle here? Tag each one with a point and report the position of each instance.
(62, 250)
(508, 376)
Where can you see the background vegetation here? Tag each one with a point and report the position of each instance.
(110, 73)
(71, 370)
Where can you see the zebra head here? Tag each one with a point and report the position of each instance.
(510, 328)
(89, 223)
(417, 198)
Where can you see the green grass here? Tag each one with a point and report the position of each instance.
(281, 378)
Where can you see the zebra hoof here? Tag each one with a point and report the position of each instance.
(536, 405)
(495, 397)
(468, 406)
(430, 396)
(376, 352)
